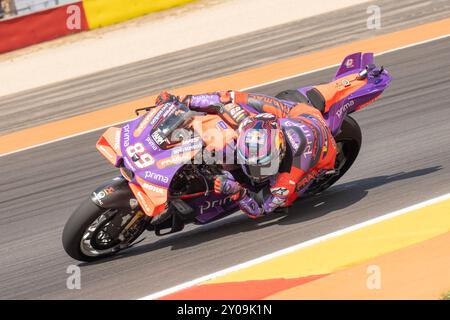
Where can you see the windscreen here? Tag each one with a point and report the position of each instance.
(172, 116)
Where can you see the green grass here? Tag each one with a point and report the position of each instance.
(446, 296)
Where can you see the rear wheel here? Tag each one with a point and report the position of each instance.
(92, 232)
(348, 143)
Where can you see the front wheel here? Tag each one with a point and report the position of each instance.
(93, 232)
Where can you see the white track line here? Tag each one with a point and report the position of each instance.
(243, 89)
(293, 248)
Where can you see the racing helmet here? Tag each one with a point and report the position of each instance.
(260, 146)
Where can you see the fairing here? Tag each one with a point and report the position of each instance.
(157, 162)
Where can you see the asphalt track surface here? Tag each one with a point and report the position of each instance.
(405, 159)
(143, 78)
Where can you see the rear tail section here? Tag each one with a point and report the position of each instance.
(354, 63)
(357, 83)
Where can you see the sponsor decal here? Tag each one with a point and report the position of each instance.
(307, 133)
(222, 125)
(143, 202)
(268, 100)
(344, 108)
(153, 188)
(215, 203)
(106, 152)
(190, 141)
(279, 191)
(117, 140)
(290, 123)
(156, 176)
(349, 63)
(170, 107)
(157, 138)
(206, 99)
(345, 83)
(293, 138)
(126, 135)
(237, 109)
(99, 196)
(186, 148)
(237, 113)
(133, 203)
(151, 143)
(304, 181)
(265, 116)
(159, 114)
(172, 161)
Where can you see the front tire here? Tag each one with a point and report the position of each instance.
(84, 237)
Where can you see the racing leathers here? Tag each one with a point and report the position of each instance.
(311, 148)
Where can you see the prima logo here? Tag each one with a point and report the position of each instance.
(307, 133)
(214, 204)
(344, 108)
(293, 139)
(156, 176)
(126, 135)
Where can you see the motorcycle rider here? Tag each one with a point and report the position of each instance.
(286, 143)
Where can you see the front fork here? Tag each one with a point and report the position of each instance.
(116, 194)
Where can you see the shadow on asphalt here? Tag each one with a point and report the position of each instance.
(336, 198)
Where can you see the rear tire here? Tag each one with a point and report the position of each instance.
(349, 140)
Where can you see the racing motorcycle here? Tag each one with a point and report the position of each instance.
(157, 155)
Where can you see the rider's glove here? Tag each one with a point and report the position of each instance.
(250, 207)
(165, 97)
(226, 184)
